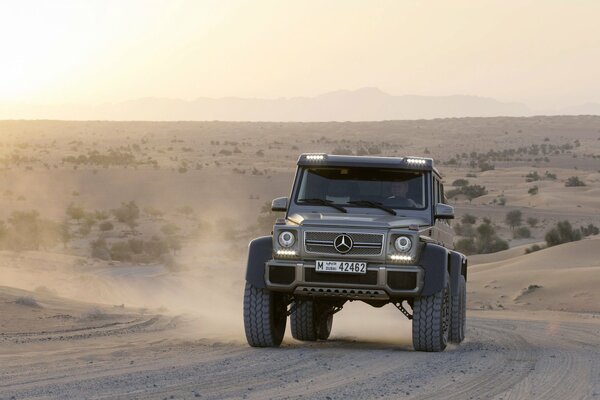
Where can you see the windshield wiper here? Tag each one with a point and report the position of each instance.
(373, 204)
(323, 202)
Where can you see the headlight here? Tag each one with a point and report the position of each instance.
(286, 239)
(403, 244)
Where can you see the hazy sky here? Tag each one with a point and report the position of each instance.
(544, 53)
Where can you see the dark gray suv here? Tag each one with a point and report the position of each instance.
(373, 229)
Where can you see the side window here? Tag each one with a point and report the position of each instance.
(436, 192)
(442, 195)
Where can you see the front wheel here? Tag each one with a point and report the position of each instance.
(431, 321)
(265, 316)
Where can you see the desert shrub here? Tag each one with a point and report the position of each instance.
(485, 241)
(100, 249)
(470, 191)
(260, 153)
(563, 232)
(471, 175)
(28, 301)
(101, 215)
(120, 251)
(574, 181)
(182, 170)
(589, 230)
(128, 213)
(532, 222)
(156, 247)
(485, 166)
(533, 249)
(466, 246)
(533, 190)
(468, 219)
(106, 226)
(532, 177)
(522, 233)
(514, 218)
(169, 229)
(550, 176)
(153, 212)
(27, 231)
(225, 152)
(136, 245)
(75, 212)
(460, 182)
(464, 230)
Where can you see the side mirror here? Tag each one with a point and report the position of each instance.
(279, 204)
(444, 211)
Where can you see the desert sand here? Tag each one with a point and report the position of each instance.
(77, 326)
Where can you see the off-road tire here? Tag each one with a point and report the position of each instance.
(264, 316)
(431, 321)
(311, 321)
(458, 316)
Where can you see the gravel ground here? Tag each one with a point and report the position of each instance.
(506, 356)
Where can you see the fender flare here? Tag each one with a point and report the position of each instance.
(434, 260)
(260, 250)
(458, 267)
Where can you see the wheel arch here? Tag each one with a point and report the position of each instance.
(260, 250)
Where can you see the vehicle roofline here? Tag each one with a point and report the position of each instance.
(335, 160)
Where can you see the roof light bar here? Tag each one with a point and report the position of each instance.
(315, 157)
(416, 161)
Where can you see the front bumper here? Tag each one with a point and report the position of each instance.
(381, 282)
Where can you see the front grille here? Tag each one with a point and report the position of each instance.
(365, 244)
(370, 278)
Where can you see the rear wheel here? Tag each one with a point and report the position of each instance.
(458, 318)
(431, 321)
(265, 316)
(311, 320)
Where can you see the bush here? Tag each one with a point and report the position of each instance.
(75, 212)
(522, 233)
(106, 226)
(128, 213)
(563, 232)
(514, 218)
(532, 222)
(533, 190)
(485, 241)
(532, 177)
(589, 230)
(533, 248)
(470, 191)
(100, 249)
(460, 182)
(468, 219)
(574, 181)
(120, 251)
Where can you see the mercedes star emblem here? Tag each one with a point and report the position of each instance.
(343, 244)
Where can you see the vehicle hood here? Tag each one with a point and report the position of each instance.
(355, 220)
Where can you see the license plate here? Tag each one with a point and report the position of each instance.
(346, 267)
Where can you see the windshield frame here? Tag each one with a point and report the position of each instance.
(301, 173)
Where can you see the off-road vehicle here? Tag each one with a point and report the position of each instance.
(374, 229)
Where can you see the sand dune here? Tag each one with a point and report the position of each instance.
(562, 278)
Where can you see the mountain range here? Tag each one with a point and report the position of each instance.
(365, 104)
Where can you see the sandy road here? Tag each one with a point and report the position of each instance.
(505, 357)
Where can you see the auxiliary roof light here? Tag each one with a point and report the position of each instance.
(315, 157)
(416, 161)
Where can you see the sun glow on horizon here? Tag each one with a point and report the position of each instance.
(94, 52)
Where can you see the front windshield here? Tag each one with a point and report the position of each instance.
(346, 185)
